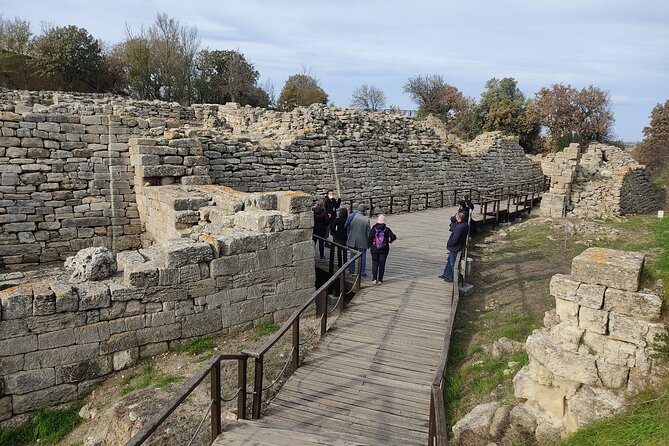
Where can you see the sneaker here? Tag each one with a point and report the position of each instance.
(448, 280)
(374, 281)
(379, 282)
(441, 276)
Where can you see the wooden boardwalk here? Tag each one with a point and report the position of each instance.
(368, 380)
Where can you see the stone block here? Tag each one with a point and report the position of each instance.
(477, 422)
(125, 358)
(593, 320)
(567, 311)
(612, 376)
(89, 333)
(608, 267)
(259, 221)
(180, 252)
(261, 201)
(159, 334)
(151, 350)
(568, 336)
(208, 321)
(40, 399)
(60, 356)
(627, 329)
(44, 301)
(140, 275)
(84, 370)
(124, 293)
(93, 295)
(16, 302)
(11, 364)
(610, 350)
(164, 170)
(638, 305)
(589, 295)
(294, 202)
(5, 408)
(303, 251)
(29, 381)
(55, 339)
(591, 404)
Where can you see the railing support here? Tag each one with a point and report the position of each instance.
(324, 316)
(342, 290)
(409, 204)
(295, 360)
(257, 388)
(241, 384)
(391, 204)
(216, 400)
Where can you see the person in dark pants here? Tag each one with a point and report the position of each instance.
(331, 205)
(320, 228)
(380, 238)
(340, 235)
(456, 243)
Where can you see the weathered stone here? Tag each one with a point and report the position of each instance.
(16, 302)
(259, 221)
(500, 421)
(591, 404)
(627, 329)
(567, 336)
(608, 267)
(590, 296)
(502, 347)
(644, 306)
(60, 356)
(125, 358)
(610, 350)
(612, 376)
(477, 422)
(29, 381)
(93, 295)
(593, 320)
(523, 419)
(567, 311)
(180, 252)
(5, 408)
(208, 321)
(562, 287)
(91, 264)
(551, 318)
(44, 398)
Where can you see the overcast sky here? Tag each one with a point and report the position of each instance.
(621, 46)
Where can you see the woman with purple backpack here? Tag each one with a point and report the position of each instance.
(379, 240)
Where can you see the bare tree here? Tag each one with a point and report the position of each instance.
(270, 90)
(368, 97)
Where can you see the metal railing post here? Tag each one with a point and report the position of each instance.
(216, 400)
(241, 384)
(257, 388)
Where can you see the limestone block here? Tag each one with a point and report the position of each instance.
(154, 349)
(29, 381)
(165, 170)
(608, 267)
(66, 296)
(208, 321)
(55, 339)
(60, 356)
(140, 275)
(593, 320)
(589, 295)
(44, 301)
(638, 305)
(502, 347)
(610, 350)
(93, 295)
(95, 263)
(568, 336)
(125, 358)
(567, 311)
(261, 201)
(40, 399)
(627, 329)
(259, 221)
(549, 398)
(16, 302)
(231, 243)
(564, 363)
(523, 419)
(551, 319)
(181, 251)
(84, 370)
(122, 293)
(294, 202)
(477, 422)
(89, 333)
(562, 287)
(500, 421)
(303, 251)
(5, 408)
(285, 238)
(591, 404)
(612, 376)
(549, 428)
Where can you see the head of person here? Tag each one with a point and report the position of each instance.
(460, 216)
(381, 219)
(319, 204)
(343, 212)
(362, 208)
(330, 193)
(462, 204)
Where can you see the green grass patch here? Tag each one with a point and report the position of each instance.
(48, 427)
(646, 423)
(195, 346)
(262, 330)
(149, 377)
(513, 326)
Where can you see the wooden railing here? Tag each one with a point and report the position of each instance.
(212, 368)
(293, 322)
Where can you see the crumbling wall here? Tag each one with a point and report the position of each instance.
(602, 181)
(58, 340)
(596, 346)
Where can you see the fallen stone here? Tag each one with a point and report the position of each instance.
(477, 422)
(96, 263)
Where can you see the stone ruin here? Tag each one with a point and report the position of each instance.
(601, 181)
(595, 349)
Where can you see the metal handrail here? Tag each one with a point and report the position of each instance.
(213, 368)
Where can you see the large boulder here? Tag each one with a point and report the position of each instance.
(96, 263)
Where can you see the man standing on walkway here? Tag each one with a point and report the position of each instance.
(358, 230)
(456, 243)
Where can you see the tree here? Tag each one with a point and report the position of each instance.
(573, 115)
(15, 35)
(301, 90)
(368, 97)
(654, 149)
(434, 96)
(226, 76)
(69, 53)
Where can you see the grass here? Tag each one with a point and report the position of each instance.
(195, 346)
(149, 377)
(48, 427)
(262, 330)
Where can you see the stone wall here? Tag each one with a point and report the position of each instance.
(228, 269)
(596, 346)
(601, 181)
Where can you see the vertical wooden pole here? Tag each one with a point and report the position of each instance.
(296, 344)
(241, 384)
(257, 388)
(391, 204)
(215, 378)
(324, 305)
(442, 198)
(409, 204)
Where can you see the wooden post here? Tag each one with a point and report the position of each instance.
(442, 198)
(296, 344)
(342, 290)
(324, 305)
(332, 258)
(427, 200)
(391, 204)
(241, 384)
(216, 400)
(371, 207)
(257, 388)
(409, 204)
(455, 197)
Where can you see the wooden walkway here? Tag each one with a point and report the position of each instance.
(368, 380)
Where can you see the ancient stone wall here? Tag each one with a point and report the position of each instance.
(596, 346)
(601, 181)
(246, 259)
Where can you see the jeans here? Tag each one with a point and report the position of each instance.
(351, 267)
(450, 264)
(379, 265)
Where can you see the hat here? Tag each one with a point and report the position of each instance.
(362, 207)
(381, 219)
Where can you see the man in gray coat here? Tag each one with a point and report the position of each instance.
(358, 231)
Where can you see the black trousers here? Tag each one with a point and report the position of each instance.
(379, 265)
(321, 243)
(342, 255)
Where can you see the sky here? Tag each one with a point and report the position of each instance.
(619, 46)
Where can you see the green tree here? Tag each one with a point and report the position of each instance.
(69, 53)
(226, 76)
(654, 149)
(436, 97)
(15, 35)
(301, 90)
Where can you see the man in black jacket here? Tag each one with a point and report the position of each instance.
(331, 205)
(456, 243)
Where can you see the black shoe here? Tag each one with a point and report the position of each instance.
(441, 276)
(448, 280)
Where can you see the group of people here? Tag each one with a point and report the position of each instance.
(353, 230)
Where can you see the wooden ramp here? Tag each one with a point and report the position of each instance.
(368, 380)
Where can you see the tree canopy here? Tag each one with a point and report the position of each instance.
(225, 76)
(368, 97)
(654, 149)
(434, 96)
(301, 90)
